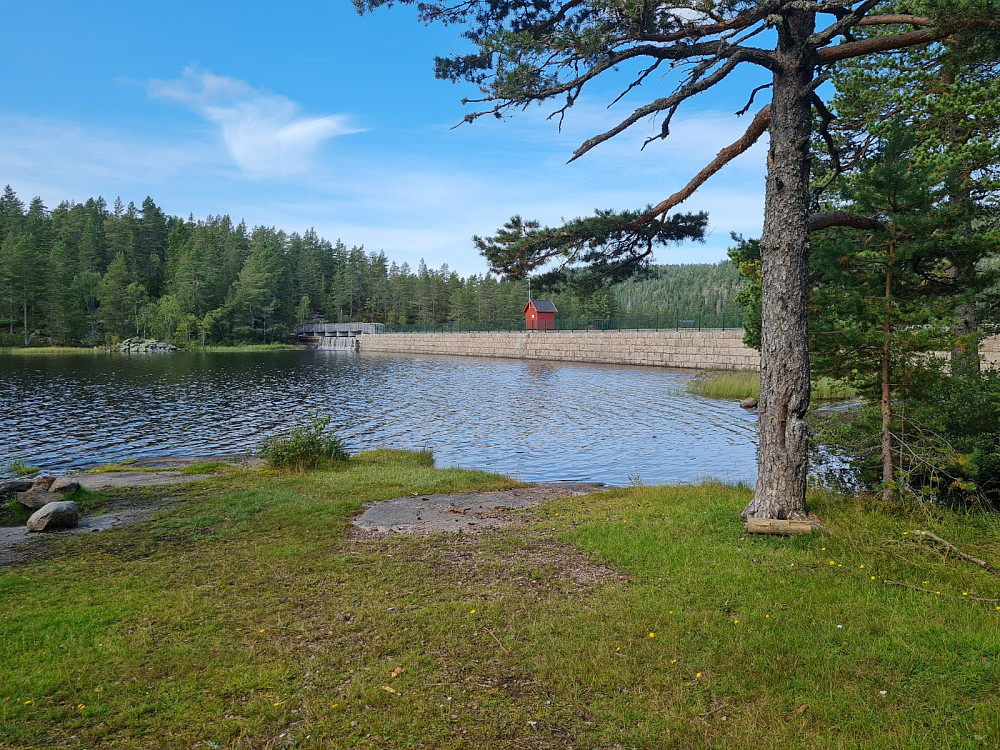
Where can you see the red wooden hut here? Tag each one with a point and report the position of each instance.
(539, 315)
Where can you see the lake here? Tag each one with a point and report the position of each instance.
(536, 421)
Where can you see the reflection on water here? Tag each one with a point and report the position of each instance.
(531, 420)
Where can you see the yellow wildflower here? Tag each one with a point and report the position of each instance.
(652, 635)
(472, 611)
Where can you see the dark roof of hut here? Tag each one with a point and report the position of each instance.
(542, 305)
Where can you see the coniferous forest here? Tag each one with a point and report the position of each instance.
(89, 273)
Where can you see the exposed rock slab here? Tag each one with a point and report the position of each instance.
(135, 479)
(467, 512)
(58, 515)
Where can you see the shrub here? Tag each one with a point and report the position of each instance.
(946, 443)
(304, 447)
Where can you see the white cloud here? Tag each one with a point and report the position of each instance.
(265, 133)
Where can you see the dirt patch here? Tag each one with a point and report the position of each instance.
(17, 545)
(466, 512)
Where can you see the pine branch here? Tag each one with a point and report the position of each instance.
(760, 123)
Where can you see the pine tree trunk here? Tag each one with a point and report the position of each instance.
(784, 377)
(965, 358)
(887, 471)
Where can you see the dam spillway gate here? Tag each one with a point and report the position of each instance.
(335, 335)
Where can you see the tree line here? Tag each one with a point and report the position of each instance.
(87, 274)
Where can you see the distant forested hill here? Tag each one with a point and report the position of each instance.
(683, 287)
(90, 273)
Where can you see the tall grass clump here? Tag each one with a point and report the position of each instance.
(304, 447)
(726, 384)
(243, 348)
(740, 384)
(19, 467)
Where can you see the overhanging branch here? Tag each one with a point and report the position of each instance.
(760, 123)
(828, 219)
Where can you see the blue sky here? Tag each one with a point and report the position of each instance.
(303, 114)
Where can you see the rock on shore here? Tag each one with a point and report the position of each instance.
(135, 345)
(57, 515)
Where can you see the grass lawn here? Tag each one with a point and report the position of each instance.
(251, 616)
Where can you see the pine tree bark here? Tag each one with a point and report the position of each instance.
(784, 379)
(887, 470)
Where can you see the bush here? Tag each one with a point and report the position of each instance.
(304, 447)
(946, 441)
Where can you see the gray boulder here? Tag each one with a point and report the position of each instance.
(749, 403)
(59, 515)
(65, 486)
(37, 497)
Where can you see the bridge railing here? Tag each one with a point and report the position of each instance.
(321, 329)
(675, 320)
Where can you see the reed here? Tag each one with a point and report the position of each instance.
(740, 384)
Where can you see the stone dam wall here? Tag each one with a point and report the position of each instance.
(686, 348)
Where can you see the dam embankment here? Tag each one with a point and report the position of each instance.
(685, 348)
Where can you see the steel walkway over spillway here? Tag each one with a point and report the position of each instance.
(335, 335)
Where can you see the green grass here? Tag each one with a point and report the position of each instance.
(247, 348)
(741, 384)
(42, 350)
(31, 351)
(247, 617)
(128, 465)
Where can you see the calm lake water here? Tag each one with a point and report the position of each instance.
(537, 421)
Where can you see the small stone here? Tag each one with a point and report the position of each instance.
(749, 403)
(37, 497)
(64, 486)
(58, 515)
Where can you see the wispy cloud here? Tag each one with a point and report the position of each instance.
(265, 133)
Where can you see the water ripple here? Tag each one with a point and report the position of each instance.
(532, 420)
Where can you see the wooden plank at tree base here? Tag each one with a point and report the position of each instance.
(777, 526)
